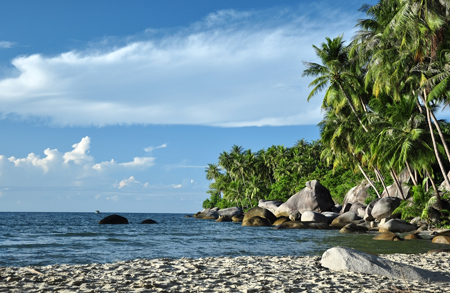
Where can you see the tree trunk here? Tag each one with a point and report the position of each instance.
(411, 174)
(368, 179)
(380, 177)
(352, 107)
(397, 182)
(436, 152)
(438, 127)
(438, 196)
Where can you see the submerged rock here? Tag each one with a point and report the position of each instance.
(260, 212)
(441, 239)
(256, 222)
(149, 221)
(114, 219)
(344, 219)
(293, 225)
(387, 236)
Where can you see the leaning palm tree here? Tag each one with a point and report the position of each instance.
(335, 75)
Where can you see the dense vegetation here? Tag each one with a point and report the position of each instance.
(380, 94)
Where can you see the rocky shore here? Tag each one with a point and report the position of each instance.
(222, 274)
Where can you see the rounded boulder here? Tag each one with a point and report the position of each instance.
(114, 219)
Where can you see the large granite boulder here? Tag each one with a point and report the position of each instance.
(208, 214)
(256, 222)
(293, 225)
(358, 193)
(344, 219)
(238, 218)
(359, 208)
(230, 212)
(314, 197)
(280, 221)
(396, 225)
(443, 186)
(260, 212)
(384, 207)
(412, 236)
(368, 213)
(270, 205)
(330, 216)
(352, 227)
(346, 208)
(387, 236)
(441, 239)
(309, 216)
(347, 259)
(393, 191)
(224, 219)
(114, 219)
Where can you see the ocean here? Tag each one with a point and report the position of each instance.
(39, 239)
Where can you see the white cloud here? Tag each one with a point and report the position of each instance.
(113, 198)
(130, 181)
(176, 186)
(79, 153)
(56, 170)
(138, 162)
(6, 44)
(52, 156)
(150, 148)
(231, 69)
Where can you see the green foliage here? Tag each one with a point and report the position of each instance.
(419, 205)
(282, 189)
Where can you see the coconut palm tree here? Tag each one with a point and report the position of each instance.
(334, 75)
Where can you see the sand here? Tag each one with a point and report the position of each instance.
(218, 274)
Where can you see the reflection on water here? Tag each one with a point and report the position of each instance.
(76, 238)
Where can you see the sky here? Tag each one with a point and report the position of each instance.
(119, 106)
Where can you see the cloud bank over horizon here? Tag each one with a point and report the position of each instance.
(231, 69)
(75, 168)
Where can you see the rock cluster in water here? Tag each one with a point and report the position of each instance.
(313, 208)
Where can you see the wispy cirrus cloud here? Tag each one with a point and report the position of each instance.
(150, 148)
(7, 45)
(231, 69)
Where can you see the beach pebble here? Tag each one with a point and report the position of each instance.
(220, 274)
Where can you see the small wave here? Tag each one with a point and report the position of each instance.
(83, 234)
(116, 240)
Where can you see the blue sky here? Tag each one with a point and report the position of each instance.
(120, 105)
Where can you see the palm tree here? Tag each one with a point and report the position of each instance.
(334, 74)
(212, 171)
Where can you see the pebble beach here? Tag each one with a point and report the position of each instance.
(219, 274)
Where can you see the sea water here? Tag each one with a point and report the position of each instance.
(77, 238)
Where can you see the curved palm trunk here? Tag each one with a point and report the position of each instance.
(438, 196)
(438, 158)
(380, 177)
(411, 174)
(397, 182)
(368, 179)
(438, 127)
(352, 107)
